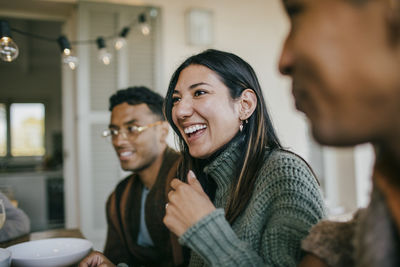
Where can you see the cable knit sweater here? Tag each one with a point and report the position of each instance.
(286, 202)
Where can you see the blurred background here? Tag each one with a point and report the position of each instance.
(54, 163)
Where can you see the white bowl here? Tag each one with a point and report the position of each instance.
(52, 252)
(5, 257)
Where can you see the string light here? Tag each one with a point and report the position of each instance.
(69, 60)
(8, 49)
(153, 12)
(104, 55)
(144, 25)
(121, 40)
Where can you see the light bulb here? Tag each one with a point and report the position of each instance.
(120, 43)
(145, 28)
(67, 58)
(144, 25)
(71, 61)
(104, 56)
(153, 12)
(67, 51)
(121, 40)
(8, 49)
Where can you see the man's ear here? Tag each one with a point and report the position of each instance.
(164, 129)
(248, 103)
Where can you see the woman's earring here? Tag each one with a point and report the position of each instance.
(241, 126)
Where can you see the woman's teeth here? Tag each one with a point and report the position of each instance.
(194, 128)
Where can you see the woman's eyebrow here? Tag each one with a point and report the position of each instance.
(198, 84)
(192, 86)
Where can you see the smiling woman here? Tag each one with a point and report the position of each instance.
(214, 117)
(240, 199)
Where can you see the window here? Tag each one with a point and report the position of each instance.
(26, 135)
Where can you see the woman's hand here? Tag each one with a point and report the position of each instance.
(188, 203)
(96, 259)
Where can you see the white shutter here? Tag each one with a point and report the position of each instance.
(98, 167)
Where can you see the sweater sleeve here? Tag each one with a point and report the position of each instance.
(294, 204)
(288, 202)
(215, 241)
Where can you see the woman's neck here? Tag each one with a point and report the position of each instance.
(204, 162)
(208, 184)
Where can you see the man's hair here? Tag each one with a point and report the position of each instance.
(139, 95)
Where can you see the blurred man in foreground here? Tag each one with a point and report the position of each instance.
(344, 59)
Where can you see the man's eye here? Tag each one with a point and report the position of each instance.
(132, 129)
(199, 92)
(114, 132)
(294, 10)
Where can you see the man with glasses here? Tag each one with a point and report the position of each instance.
(138, 131)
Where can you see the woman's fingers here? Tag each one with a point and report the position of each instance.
(174, 225)
(175, 183)
(187, 204)
(194, 183)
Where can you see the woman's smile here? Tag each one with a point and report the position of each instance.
(194, 132)
(203, 110)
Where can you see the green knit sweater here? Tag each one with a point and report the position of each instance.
(286, 202)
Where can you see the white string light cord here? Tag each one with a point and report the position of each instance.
(9, 50)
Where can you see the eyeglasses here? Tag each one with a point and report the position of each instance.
(130, 131)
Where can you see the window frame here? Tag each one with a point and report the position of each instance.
(10, 161)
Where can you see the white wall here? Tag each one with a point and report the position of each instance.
(254, 30)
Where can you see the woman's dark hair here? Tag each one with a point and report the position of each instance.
(259, 133)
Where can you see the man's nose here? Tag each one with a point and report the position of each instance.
(286, 59)
(120, 138)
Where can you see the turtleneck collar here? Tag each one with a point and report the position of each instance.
(223, 167)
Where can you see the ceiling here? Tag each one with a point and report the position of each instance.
(40, 9)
